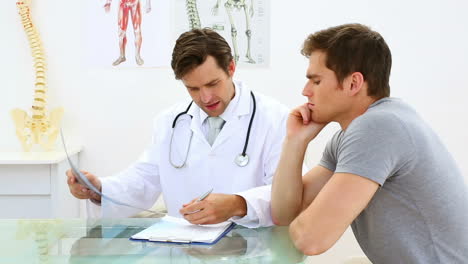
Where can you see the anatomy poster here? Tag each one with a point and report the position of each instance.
(128, 33)
(243, 23)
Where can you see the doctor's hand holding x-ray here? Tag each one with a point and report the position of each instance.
(185, 158)
(80, 191)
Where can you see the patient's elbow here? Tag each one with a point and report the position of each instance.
(306, 243)
(280, 221)
(312, 249)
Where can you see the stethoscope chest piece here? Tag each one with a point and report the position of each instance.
(242, 160)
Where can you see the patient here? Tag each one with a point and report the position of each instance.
(385, 172)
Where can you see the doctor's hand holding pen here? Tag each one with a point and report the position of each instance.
(80, 191)
(214, 208)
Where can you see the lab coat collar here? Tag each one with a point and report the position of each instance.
(238, 106)
(241, 108)
(245, 100)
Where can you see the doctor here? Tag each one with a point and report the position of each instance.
(225, 138)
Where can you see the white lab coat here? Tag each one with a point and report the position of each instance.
(207, 166)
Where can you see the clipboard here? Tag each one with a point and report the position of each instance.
(178, 231)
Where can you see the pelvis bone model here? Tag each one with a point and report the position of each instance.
(39, 128)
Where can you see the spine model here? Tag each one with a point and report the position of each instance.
(41, 127)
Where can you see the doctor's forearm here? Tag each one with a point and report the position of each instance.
(286, 194)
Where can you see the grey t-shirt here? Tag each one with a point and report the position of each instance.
(420, 212)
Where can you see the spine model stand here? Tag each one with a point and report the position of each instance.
(41, 128)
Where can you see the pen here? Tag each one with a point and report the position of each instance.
(201, 198)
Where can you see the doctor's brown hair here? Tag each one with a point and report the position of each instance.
(194, 46)
(354, 48)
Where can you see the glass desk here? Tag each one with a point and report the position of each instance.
(107, 241)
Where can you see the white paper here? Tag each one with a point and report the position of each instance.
(172, 229)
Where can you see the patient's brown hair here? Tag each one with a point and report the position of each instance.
(354, 48)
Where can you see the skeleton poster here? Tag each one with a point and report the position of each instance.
(128, 33)
(142, 33)
(243, 23)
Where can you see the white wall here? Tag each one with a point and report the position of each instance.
(109, 110)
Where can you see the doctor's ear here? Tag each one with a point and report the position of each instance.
(354, 83)
(231, 68)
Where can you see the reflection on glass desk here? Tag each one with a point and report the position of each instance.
(107, 241)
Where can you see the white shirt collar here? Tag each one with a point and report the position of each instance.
(239, 105)
(236, 107)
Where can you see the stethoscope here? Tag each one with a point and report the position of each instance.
(241, 160)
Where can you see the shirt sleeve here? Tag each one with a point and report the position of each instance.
(258, 199)
(258, 207)
(329, 159)
(139, 186)
(374, 147)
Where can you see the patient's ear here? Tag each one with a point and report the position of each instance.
(354, 83)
